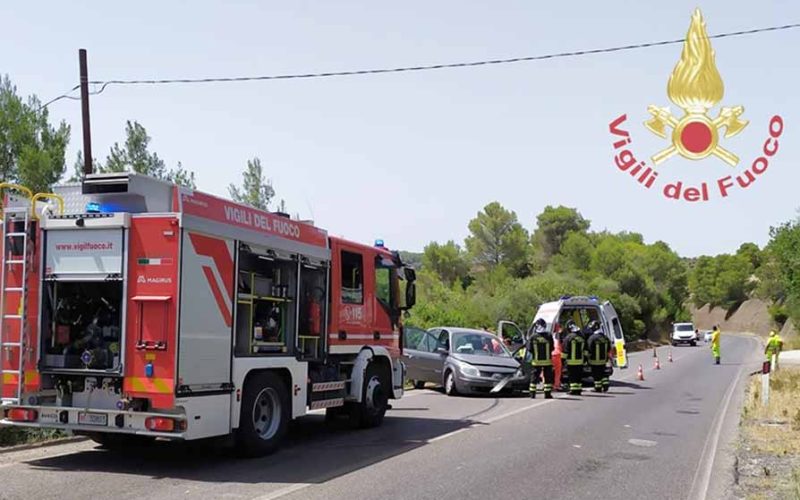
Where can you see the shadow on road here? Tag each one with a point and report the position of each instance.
(314, 452)
(630, 385)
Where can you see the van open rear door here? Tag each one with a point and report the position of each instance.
(615, 327)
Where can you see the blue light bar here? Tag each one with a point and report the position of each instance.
(93, 207)
(379, 243)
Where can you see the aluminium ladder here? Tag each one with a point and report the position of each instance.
(12, 217)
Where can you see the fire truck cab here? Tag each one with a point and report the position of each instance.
(135, 309)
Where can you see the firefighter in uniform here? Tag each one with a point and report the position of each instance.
(599, 348)
(540, 346)
(573, 354)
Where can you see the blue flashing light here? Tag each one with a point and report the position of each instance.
(148, 370)
(593, 297)
(379, 243)
(565, 297)
(93, 207)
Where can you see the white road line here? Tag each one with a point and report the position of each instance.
(702, 477)
(449, 434)
(288, 490)
(518, 410)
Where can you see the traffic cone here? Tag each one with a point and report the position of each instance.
(657, 365)
(670, 356)
(640, 373)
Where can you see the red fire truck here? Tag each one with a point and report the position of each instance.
(135, 309)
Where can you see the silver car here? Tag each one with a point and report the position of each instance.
(462, 360)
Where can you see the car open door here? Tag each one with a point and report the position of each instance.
(511, 334)
(514, 339)
(614, 326)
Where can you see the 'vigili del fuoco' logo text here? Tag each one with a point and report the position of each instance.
(695, 86)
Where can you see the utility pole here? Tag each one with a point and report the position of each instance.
(87, 134)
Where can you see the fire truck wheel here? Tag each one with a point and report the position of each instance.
(374, 401)
(264, 416)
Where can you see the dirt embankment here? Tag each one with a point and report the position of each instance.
(752, 317)
(789, 329)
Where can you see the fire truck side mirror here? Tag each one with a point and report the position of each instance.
(411, 274)
(411, 294)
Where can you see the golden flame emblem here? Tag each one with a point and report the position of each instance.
(696, 86)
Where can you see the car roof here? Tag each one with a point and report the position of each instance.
(460, 329)
(684, 323)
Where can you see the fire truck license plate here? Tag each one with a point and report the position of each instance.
(92, 418)
(48, 417)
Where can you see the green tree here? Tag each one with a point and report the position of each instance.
(576, 253)
(448, 261)
(552, 227)
(497, 238)
(134, 155)
(751, 252)
(32, 151)
(255, 190)
(783, 249)
(724, 280)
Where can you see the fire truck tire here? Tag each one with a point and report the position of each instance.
(264, 417)
(374, 400)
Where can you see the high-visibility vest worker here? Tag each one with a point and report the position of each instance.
(715, 335)
(598, 354)
(573, 356)
(774, 347)
(540, 346)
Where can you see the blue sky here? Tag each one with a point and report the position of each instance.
(412, 157)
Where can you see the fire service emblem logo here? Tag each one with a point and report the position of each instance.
(695, 86)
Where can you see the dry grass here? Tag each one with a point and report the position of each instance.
(774, 429)
(769, 453)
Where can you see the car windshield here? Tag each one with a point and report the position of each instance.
(483, 344)
(684, 328)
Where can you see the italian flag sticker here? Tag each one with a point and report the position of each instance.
(145, 261)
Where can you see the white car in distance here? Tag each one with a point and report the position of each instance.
(684, 333)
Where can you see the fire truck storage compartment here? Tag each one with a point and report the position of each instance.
(266, 301)
(81, 324)
(82, 292)
(313, 308)
(206, 317)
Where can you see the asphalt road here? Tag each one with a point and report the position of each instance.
(652, 439)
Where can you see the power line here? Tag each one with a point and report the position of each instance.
(407, 69)
(404, 69)
(65, 95)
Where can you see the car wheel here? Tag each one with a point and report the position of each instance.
(450, 383)
(418, 384)
(674, 344)
(264, 416)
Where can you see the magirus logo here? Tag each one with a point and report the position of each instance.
(695, 86)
